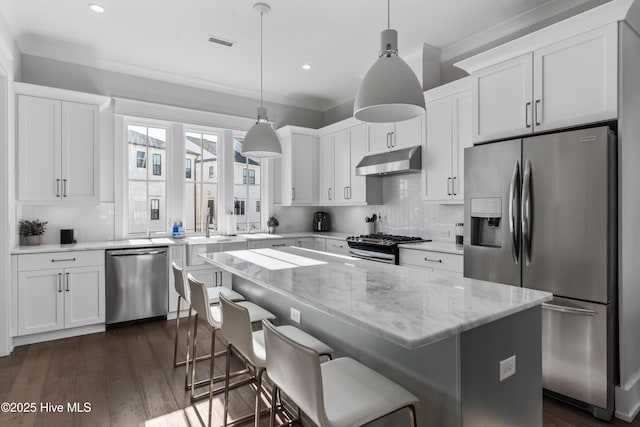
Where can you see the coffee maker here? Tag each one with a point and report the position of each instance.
(321, 221)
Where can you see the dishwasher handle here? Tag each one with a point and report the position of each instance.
(135, 252)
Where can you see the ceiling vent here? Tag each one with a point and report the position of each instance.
(223, 42)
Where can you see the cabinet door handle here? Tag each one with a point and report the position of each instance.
(388, 139)
(293, 193)
(67, 281)
(344, 192)
(538, 102)
(64, 188)
(527, 107)
(59, 282)
(63, 260)
(329, 193)
(216, 279)
(392, 139)
(432, 260)
(449, 186)
(453, 185)
(349, 192)
(57, 187)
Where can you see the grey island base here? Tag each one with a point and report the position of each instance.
(441, 336)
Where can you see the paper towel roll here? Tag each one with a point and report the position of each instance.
(231, 225)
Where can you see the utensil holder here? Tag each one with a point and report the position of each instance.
(370, 227)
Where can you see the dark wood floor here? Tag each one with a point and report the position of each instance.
(126, 375)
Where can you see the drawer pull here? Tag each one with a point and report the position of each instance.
(432, 260)
(278, 245)
(63, 260)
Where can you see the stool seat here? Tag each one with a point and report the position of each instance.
(296, 334)
(355, 394)
(214, 294)
(256, 313)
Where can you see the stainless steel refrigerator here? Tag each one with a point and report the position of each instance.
(541, 213)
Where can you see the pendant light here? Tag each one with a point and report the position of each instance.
(261, 140)
(390, 91)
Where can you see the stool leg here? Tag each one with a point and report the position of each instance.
(175, 343)
(211, 372)
(186, 363)
(258, 392)
(272, 415)
(226, 386)
(412, 415)
(193, 355)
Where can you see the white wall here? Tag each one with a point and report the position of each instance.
(48, 72)
(9, 66)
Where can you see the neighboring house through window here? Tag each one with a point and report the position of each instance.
(157, 164)
(187, 169)
(141, 161)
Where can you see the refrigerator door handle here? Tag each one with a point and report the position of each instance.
(568, 310)
(526, 213)
(514, 213)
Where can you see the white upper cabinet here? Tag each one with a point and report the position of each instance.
(340, 153)
(39, 149)
(389, 136)
(556, 85)
(448, 133)
(298, 167)
(502, 99)
(575, 80)
(58, 146)
(326, 169)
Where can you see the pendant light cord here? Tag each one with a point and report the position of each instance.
(388, 14)
(261, 71)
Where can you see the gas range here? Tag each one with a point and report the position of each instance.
(379, 247)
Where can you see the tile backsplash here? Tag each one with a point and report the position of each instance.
(403, 212)
(91, 222)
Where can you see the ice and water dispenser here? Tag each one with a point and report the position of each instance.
(486, 222)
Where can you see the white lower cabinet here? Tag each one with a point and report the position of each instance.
(271, 243)
(434, 261)
(50, 299)
(305, 242)
(337, 246)
(320, 244)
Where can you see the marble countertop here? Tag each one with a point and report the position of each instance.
(99, 245)
(390, 301)
(165, 241)
(435, 246)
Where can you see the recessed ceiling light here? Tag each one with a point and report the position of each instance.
(96, 8)
(306, 67)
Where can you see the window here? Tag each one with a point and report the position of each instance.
(201, 189)
(187, 169)
(246, 189)
(146, 188)
(157, 164)
(155, 209)
(141, 160)
(252, 176)
(238, 206)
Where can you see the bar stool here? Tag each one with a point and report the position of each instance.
(213, 295)
(183, 295)
(338, 393)
(236, 328)
(213, 316)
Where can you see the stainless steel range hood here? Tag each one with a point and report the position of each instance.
(398, 161)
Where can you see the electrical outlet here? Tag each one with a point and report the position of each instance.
(507, 367)
(295, 316)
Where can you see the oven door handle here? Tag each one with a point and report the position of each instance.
(372, 255)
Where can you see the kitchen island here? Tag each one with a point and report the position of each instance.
(439, 335)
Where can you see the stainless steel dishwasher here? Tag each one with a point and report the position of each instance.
(137, 283)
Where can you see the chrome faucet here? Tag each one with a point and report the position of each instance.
(206, 225)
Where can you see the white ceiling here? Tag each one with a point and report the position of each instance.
(168, 39)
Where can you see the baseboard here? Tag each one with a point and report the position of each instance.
(56, 335)
(628, 402)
